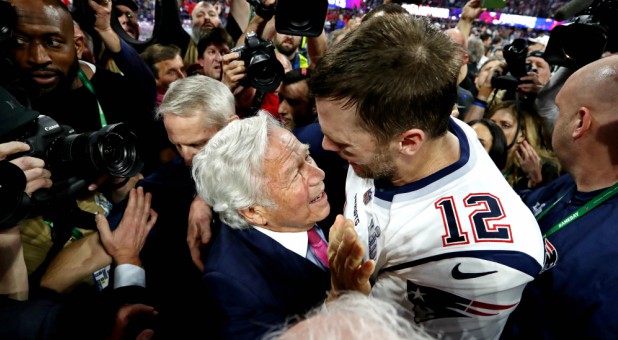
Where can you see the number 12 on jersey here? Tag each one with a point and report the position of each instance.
(484, 220)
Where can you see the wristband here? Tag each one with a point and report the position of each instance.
(480, 103)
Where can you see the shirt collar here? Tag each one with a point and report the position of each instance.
(296, 242)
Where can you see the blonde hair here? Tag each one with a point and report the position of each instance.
(534, 133)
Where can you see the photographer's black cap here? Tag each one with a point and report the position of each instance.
(129, 3)
(13, 114)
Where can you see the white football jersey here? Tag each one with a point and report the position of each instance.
(455, 249)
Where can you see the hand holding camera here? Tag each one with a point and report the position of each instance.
(37, 177)
(233, 71)
(263, 71)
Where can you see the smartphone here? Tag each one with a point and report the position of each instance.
(493, 4)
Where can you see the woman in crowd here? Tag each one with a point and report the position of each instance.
(530, 161)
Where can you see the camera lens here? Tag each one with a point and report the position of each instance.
(118, 154)
(111, 151)
(265, 72)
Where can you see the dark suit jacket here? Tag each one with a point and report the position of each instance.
(254, 283)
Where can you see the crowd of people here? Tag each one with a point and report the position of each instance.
(389, 176)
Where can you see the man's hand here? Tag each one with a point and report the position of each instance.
(345, 258)
(124, 316)
(127, 240)
(233, 70)
(115, 195)
(198, 230)
(471, 10)
(37, 176)
(102, 14)
(483, 80)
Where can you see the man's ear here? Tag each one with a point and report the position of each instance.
(583, 122)
(254, 215)
(232, 118)
(80, 44)
(410, 141)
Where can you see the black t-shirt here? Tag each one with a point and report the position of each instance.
(120, 101)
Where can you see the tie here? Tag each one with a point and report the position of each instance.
(319, 246)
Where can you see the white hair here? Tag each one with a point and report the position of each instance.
(199, 95)
(229, 171)
(353, 315)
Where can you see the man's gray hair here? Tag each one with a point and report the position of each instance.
(205, 95)
(354, 315)
(229, 171)
(476, 49)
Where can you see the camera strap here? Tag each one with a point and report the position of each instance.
(82, 76)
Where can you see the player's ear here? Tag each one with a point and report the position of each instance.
(410, 141)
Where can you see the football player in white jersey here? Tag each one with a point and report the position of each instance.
(431, 222)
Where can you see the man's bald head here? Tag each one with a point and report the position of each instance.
(586, 129)
(457, 37)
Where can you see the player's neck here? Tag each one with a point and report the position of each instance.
(435, 155)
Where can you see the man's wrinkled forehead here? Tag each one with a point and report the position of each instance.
(203, 7)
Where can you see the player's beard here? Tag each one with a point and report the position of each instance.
(380, 166)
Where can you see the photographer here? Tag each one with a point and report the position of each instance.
(31, 172)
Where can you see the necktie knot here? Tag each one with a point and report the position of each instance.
(319, 246)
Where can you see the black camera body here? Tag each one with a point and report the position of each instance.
(515, 55)
(264, 71)
(77, 159)
(584, 39)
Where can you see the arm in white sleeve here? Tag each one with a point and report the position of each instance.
(129, 275)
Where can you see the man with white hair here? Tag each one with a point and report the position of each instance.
(193, 110)
(268, 261)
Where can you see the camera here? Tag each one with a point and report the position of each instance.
(77, 159)
(515, 55)
(111, 150)
(583, 40)
(264, 71)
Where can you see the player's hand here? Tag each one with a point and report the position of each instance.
(198, 230)
(530, 163)
(127, 240)
(345, 258)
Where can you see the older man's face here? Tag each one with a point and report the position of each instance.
(294, 183)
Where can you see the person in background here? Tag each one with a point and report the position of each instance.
(166, 64)
(211, 48)
(493, 140)
(577, 214)
(126, 12)
(530, 161)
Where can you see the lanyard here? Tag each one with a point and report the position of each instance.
(586, 208)
(88, 84)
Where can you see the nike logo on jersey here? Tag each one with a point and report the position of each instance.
(458, 275)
